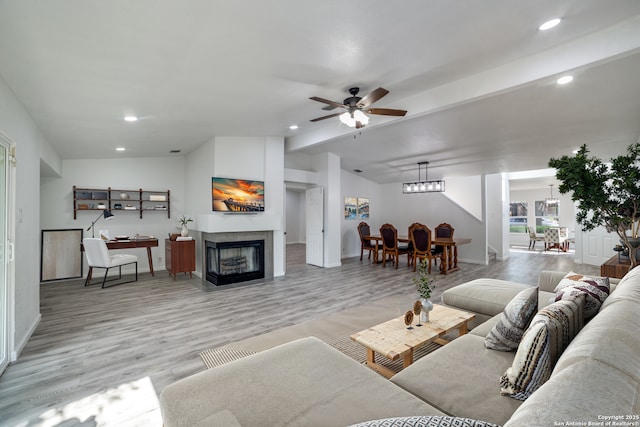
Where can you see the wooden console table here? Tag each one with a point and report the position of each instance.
(615, 267)
(133, 243)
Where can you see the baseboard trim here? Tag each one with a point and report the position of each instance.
(23, 342)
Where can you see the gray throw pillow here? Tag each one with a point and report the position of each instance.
(514, 320)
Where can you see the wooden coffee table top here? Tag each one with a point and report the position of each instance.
(393, 340)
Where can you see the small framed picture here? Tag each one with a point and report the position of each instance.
(363, 208)
(350, 207)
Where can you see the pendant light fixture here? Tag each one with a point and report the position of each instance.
(421, 186)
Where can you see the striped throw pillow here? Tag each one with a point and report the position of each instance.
(550, 332)
(514, 320)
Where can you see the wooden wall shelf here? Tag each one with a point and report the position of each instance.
(94, 199)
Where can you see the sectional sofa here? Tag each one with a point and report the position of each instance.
(308, 383)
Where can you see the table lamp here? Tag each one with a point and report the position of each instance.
(107, 216)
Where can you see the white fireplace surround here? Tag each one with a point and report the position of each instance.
(218, 222)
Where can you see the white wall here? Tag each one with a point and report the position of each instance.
(16, 123)
(353, 185)
(498, 214)
(154, 174)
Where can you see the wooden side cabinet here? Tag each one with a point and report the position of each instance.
(615, 267)
(180, 256)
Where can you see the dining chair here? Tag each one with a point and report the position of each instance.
(533, 237)
(365, 244)
(98, 257)
(444, 231)
(420, 236)
(554, 238)
(390, 245)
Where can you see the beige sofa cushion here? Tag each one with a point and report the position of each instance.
(581, 393)
(297, 383)
(612, 337)
(485, 296)
(461, 379)
(515, 318)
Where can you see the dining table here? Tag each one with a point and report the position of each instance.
(449, 257)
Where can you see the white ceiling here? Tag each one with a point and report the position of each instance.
(477, 77)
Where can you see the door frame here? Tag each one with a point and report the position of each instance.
(7, 304)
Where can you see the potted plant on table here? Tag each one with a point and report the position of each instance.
(425, 284)
(184, 222)
(606, 194)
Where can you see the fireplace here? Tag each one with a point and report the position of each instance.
(233, 262)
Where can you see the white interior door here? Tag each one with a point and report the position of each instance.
(315, 226)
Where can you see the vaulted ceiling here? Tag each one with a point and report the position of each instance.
(477, 78)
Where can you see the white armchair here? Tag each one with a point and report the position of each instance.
(98, 257)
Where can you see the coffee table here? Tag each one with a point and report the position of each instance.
(393, 340)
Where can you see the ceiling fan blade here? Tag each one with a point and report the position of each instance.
(372, 97)
(325, 117)
(386, 111)
(326, 101)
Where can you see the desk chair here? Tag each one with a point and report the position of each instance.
(98, 257)
(390, 246)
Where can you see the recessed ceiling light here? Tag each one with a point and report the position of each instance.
(293, 127)
(120, 149)
(549, 24)
(130, 118)
(564, 80)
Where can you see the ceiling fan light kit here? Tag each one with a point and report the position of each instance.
(421, 186)
(356, 107)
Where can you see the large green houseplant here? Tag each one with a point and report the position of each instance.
(606, 194)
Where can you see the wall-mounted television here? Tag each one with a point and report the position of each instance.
(237, 195)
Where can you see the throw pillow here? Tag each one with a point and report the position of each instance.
(550, 332)
(514, 320)
(596, 290)
(425, 421)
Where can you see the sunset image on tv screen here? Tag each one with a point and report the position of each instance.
(237, 195)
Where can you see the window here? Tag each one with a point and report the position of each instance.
(518, 217)
(546, 214)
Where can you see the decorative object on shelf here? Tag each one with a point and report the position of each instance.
(107, 216)
(425, 284)
(606, 195)
(124, 196)
(184, 222)
(157, 198)
(417, 309)
(117, 206)
(421, 186)
(408, 318)
(102, 206)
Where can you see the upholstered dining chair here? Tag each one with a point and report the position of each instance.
(445, 231)
(420, 236)
(98, 257)
(390, 246)
(554, 238)
(365, 244)
(533, 237)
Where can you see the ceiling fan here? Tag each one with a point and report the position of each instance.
(354, 108)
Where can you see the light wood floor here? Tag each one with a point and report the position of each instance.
(101, 356)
